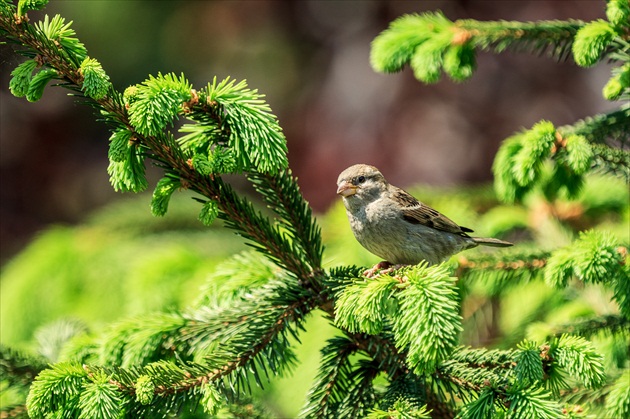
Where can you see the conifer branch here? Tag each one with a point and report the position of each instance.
(612, 324)
(612, 160)
(608, 128)
(430, 43)
(19, 368)
(333, 381)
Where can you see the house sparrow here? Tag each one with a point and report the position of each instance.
(397, 227)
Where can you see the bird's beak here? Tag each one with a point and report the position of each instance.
(346, 189)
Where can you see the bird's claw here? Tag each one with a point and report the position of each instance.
(381, 268)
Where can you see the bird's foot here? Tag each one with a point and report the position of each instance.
(381, 268)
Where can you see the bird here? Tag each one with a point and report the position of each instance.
(392, 224)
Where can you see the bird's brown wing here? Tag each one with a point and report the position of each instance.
(416, 212)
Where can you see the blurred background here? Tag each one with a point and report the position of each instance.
(67, 239)
(311, 59)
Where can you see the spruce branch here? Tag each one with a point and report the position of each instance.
(609, 128)
(502, 270)
(333, 380)
(618, 400)
(610, 324)
(430, 42)
(611, 160)
(283, 195)
(249, 342)
(518, 166)
(19, 368)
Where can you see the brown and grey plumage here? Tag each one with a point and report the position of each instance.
(397, 227)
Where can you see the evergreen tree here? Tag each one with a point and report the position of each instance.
(398, 351)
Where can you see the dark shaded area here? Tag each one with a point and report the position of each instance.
(311, 58)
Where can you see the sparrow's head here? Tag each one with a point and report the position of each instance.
(361, 181)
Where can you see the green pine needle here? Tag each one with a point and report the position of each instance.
(532, 403)
(536, 145)
(222, 160)
(579, 154)
(21, 78)
(529, 366)
(427, 323)
(158, 101)
(128, 175)
(333, 381)
(145, 389)
(362, 306)
(26, 5)
(618, 400)
(202, 164)
(591, 42)
(255, 137)
(56, 389)
(119, 144)
(618, 13)
(209, 212)
(38, 84)
(60, 33)
(481, 408)
(460, 62)
(401, 409)
(211, 400)
(427, 59)
(591, 258)
(162, 195)
(395, 47)
(577, 357)
(100, 399)
(95, 81)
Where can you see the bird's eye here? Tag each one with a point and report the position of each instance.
(361, 179)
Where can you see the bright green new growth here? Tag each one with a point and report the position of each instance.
(396, 46)
(591, 42)
(38, 84)
(58, 387)
(21, 78)
(422, 311)
(427, 322)
(618, 84)
(618, 13)
(529, 365)
(429, 43)
(362, 306)
(255, 137)
(162, 195)
(592, 258)
(536, 403)
(618, 402)
(520, 162)
(211, 400)
(401, 409)
(209, 212)
(128, 175)
(100, 399)
(578, 358)
(59, 32)
(95, 81)
(26, 5)
(158, 101)
(119, 144)
(144, 389)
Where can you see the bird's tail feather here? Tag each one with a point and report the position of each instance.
(486, 241)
